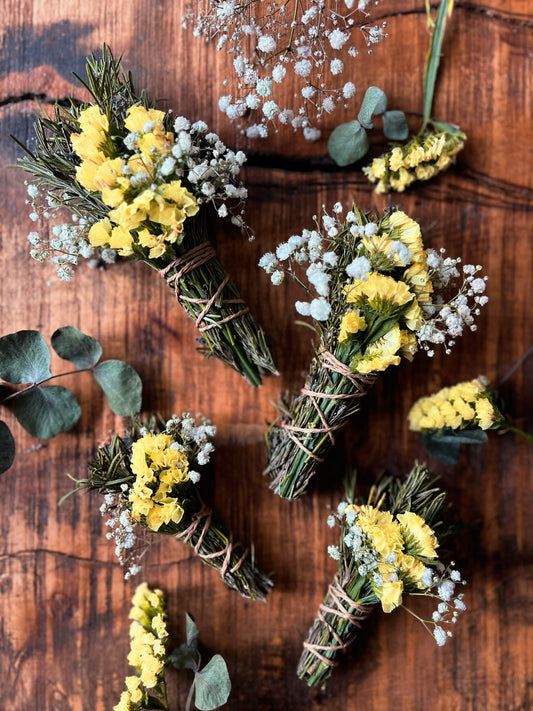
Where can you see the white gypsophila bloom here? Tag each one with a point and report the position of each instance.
(311, 133)
(266, 43)
(334, 552)
(446, 590)
(284, 251)
(403, 253)
(338, 39)
(270, 109)
(308, 91)
(440, 635)
(303, 68)
(320, 309)
(264, 87)
(336, 66)
(331, 521)
(370, 229)
(194, 477)
(348, 90)
(268, 262)
(359, 268)
(303, 308)
(478, 286)
(224, 102)
(252, 101)
(168, 166)
(455, 575)
(181, 124)
(277, 277)
(330, 258)
(278, 73)
(286, 116)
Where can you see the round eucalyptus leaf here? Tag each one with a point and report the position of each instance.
(7, 447)
(122, 386)
(24, 358)
(374, 103)
(75, 346)
(348, 143)
(212, 685)
(395, 126)
(46, 411)
(443, 449)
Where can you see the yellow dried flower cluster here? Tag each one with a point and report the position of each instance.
(148, 637)
(467, 404)
(145, 209)
(381, 297)
(159, 466)
(421, 158)
(401, 545)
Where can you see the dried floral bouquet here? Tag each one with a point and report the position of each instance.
(387, 550)
(149, 481)
(376, 296)
(138, 188)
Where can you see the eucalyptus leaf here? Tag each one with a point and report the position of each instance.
(471, 436)
(46, 411)
(7, 447)
(212, 685)
(192, 631)
(374, 104)
(395, 126)
(24, 358)
(184, 657)
(348, 143)
(444, 450)
(121, 385)
(75, 346)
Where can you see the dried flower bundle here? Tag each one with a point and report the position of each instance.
(139, 184)
(387, 551)
(312, 43)
(457, 415)
(148, 479)
(377, 296)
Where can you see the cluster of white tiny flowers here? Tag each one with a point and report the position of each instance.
(270, 42)
(68, 242)
(447, 320)
(122, 530)
(209, 169)
(443, 587)
(313, 250)
(193, 439)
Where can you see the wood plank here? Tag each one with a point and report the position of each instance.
(63, 601)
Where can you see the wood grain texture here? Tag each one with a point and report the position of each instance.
(63, 600)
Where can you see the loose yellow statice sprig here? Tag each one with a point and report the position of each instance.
(388, 550)
(148, 653)
(140, 183)
(148, 478)
(376, 295)
(423, 157)
(436, 145)
(457, 415)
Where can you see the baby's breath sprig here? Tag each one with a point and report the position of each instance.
(273, 43)
(148, 479)
(460, 414)
(436, 145)
(387, 551)
(139, 183)
(375, 295)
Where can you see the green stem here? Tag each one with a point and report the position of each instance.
(189, 697)
(35, 385)
(433, 57)
(525, 435)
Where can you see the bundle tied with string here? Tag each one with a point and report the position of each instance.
(387, 550)
(149, 485)
(140, 183)
(306, 430)
(376, 296)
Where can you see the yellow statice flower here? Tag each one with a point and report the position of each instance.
(103, 233)
(411, 568)
(421, 158)
(352, 322)
(409, 233)
(380, 354)
(390, 592)
(384, 533)
(87, 145)
(379, 291)
(125, 702)
(419, 538)
(466, 404)
(158, 467)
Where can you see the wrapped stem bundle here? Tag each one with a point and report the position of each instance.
(148, 482)
(380, 295)
(457, 415)
(140, 184)
(387, 550)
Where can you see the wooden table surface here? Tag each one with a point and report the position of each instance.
(64, 602)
